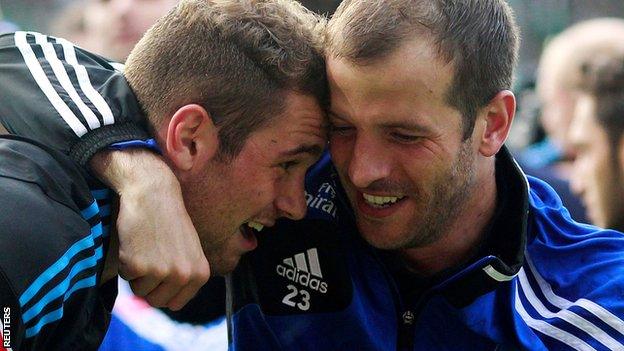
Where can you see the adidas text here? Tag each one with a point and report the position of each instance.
(303, 278)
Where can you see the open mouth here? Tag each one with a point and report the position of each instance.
(248, 231)
(381, 201)
(250, 241)
(380, 206)
(255, 225)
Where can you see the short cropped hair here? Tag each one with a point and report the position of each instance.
(603, 80)
(479, 37)
(236, 58)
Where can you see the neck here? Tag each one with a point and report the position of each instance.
(465, 232)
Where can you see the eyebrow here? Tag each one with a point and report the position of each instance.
(407, 126)
(314, 150)
(394, 125)
(332, 114)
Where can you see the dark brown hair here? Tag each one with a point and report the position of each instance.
(480, 38)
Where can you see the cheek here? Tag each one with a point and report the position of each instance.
(257, 190)
(340, 150)
(420, 169)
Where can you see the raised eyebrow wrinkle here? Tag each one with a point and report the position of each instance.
(313, 150)
(405, 125)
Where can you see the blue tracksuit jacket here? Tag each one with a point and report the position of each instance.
(539, 282)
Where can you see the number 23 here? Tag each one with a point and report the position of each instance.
(303, 305)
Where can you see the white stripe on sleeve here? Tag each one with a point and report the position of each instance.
(550, 330)
(85, 83)
(46, 87)
(63, 78)
(563, 303)
(567, 316)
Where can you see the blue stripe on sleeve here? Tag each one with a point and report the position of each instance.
(100, 194)
(63, 287)
(60, 264)
(90, 211)
(48, 318)
(58, 313)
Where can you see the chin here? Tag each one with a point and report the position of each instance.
(381, 239)
(387, 238)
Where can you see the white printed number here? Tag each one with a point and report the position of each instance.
(291, 298)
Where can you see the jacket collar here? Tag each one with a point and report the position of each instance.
(501, 254)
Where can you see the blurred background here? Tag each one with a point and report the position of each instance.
(538, 19)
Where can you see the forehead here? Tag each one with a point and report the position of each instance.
(301, 126)
(411, 77)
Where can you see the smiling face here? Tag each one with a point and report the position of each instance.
(263, 182)
(397, 145)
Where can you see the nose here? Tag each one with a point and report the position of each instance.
(290, 202)
(368, 163)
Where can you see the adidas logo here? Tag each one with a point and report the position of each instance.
(304, 268)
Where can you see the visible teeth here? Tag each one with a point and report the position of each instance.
(255, 225)
(381, 200)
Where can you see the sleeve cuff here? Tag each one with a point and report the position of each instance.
(101, 138)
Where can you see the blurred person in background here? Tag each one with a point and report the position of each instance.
(124, 24)
(596, 137)
(81, 23)
(6, 26)
(108, 27)
(558, 79)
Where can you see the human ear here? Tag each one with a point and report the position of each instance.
(498, 115)
(191, 138)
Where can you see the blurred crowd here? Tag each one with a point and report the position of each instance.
(568, 131)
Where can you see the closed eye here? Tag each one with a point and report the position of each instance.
(404, 138)
(288, 165)
(340, 130)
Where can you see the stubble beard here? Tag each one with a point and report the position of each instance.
(210, 219)
(448, 199)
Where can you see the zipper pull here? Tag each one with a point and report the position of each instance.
(408, 317)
